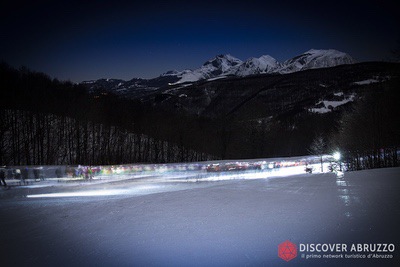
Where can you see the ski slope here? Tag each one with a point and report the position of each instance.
(154, 221)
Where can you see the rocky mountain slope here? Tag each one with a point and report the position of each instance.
(262, 96)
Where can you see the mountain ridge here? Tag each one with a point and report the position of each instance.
(222, 66)
(226, 64)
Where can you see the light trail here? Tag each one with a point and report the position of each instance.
(96, 193)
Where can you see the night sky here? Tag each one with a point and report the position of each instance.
(84, 40)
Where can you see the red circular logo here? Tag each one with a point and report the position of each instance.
(287, 250)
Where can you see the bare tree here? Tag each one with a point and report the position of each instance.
(318, 147)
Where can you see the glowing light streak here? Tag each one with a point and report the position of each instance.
(96, 193)
(92, 193)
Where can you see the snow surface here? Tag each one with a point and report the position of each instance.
(222, 65)
(338, 94)
(216, 78)
(162, 222)
(264, 64)
(316, 58)
(375, 79)
(369, 81)
(328, 106)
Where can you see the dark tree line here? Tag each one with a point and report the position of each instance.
(32, 138)
(370, 135)
(44, 121)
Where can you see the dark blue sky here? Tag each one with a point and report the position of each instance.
(84, 40)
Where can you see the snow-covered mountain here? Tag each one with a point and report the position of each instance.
(314, 58)
(227, 65)
(263, 64)
(223, 65)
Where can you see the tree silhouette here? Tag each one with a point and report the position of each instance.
(318, 148)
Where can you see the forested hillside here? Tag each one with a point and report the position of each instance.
(45, 121)
(353, 108)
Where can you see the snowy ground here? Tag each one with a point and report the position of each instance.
(181, 221)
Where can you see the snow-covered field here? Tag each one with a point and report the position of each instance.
(230, 221)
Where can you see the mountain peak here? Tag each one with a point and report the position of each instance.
(221, 65)
(171, 73)
(223, 61)
(263, 64)
(316, 58)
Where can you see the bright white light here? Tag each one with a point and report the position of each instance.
(336, 155)
(81, 194)
(95, 193)
(277, 172)
(339, 174)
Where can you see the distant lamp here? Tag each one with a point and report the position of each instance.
(336, 156)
